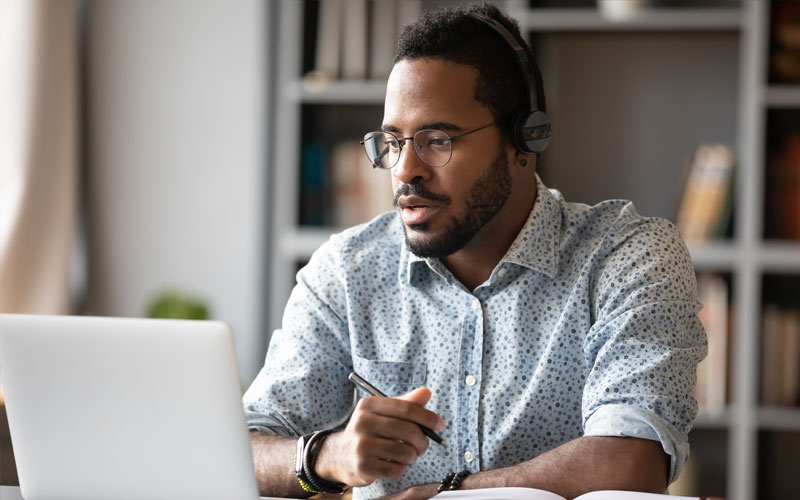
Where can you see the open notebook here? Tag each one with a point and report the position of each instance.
(534, 494)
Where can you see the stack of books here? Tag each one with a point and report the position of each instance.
(356, 38)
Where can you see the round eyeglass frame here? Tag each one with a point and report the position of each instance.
(417, 149)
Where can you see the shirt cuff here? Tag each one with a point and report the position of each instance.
(626, 421)
(269, 424)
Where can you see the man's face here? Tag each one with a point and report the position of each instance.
(443, 208)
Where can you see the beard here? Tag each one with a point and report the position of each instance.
(485, 198)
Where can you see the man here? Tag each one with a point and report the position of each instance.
(552, 345)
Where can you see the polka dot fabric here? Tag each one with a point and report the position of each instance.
(588, 326)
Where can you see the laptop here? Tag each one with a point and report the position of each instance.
(124, 408)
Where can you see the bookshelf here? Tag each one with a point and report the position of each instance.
(720, 52)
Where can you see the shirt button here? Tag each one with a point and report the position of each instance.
(501, 272)
(469, 457)
(475, 305)
(471, 380)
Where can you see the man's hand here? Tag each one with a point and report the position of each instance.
(381, 439)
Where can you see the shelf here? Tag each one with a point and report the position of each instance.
(300, 243)
(780, 256)
(722, 19)
(773, 256)
(782, 96)
(732, 38)
(336, 91)
(715, 255)
(775, 418)
(715, 421)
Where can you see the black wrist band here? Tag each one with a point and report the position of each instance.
(306, 460)
(305, 483)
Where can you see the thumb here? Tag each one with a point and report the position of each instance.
(420, 396)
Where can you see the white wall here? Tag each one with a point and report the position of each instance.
(176, 146)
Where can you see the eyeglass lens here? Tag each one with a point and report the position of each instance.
(432, 146)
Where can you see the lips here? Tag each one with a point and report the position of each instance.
(416, 210)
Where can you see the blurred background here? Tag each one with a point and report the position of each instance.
(184, 158)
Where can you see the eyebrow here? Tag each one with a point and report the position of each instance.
(425, 126)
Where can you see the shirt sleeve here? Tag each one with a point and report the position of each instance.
(303, 385)
(646, 340)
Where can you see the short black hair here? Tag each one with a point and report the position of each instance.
(454, 34)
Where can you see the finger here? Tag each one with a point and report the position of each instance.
(420, 396)
(394, 451)
(403, 410)
(371, 468)
(407, 432)
(389, 428)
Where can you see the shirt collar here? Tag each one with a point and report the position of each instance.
(535, 247)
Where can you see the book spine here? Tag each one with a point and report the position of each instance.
(712, 374)
(354, 54)
(359, 191)
(329, 37)
(770, 355)
(383, 34)
(312, 184)
(706, 193)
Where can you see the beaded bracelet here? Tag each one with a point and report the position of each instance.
(460, 476)
(452, 481)
(445, 483)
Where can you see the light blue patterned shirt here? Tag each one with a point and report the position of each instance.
(587, 327)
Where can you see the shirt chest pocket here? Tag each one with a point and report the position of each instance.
(393, 378)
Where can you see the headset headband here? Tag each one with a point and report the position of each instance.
(522, 57)
(531, 127)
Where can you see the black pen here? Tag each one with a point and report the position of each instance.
(359, 381)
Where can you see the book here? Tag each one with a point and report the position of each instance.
(329, 36)
(707, 197)
(784, 60)
(535, 494)
(360, 192)
(354, 48)
(712, 372)
(312, 184)
(382, 34)
(780, 356)
(787, 190)
(790, 357)
(770, 355)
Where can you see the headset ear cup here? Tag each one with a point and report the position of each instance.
(532, 132)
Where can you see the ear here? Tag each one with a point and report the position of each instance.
(525, 160)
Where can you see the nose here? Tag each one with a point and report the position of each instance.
(410, 166)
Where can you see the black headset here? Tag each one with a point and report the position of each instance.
(531, 125)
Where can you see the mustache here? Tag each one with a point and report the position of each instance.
(418, 189)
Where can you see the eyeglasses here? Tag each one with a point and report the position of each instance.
(434, 147)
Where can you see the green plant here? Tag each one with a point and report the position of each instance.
(172, 304)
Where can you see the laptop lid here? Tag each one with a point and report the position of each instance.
(124, 408)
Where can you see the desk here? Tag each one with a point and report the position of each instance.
(13, 493)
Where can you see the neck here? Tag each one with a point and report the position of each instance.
(473, 264)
